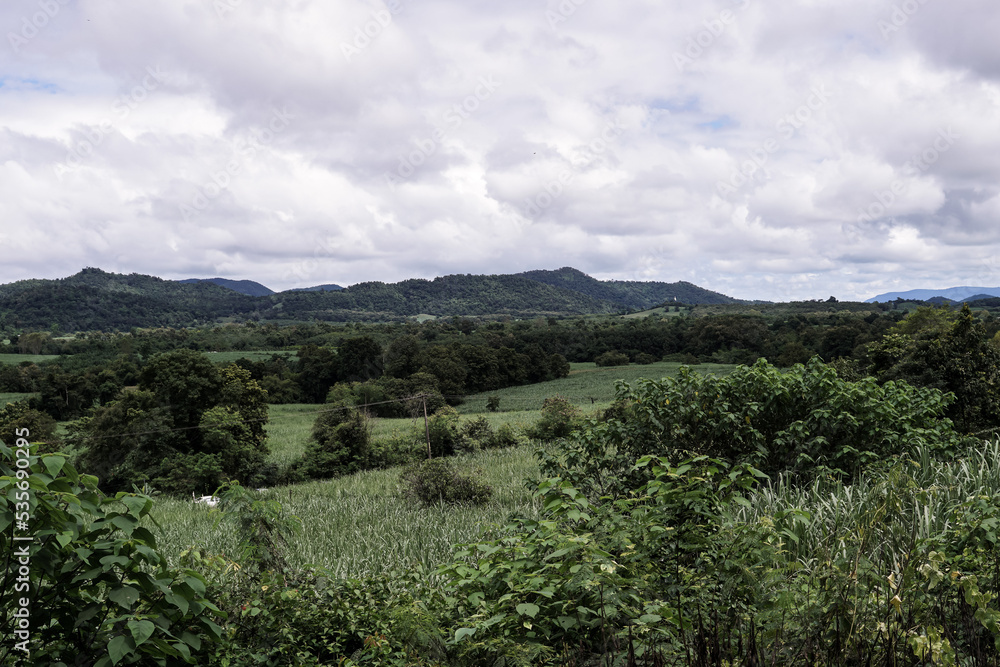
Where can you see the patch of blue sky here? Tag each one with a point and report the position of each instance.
(11, 83)
(677, 105)
(720, 123)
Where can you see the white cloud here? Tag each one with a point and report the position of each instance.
(514, 174)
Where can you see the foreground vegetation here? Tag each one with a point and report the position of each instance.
(842, 510)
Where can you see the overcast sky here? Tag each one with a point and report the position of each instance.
(771, 149)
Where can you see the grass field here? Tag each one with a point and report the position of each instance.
(587, 386)
(13, 398)
(290, 425)
(288, 430)
(361, 525)
(15, 359)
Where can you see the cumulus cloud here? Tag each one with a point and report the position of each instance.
(765, 149)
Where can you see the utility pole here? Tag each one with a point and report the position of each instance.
(427, 429)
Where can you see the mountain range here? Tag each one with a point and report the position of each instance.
(953, 294)
(97, 300)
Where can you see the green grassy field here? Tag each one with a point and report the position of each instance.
(361, 525)
(288, 430)
(587, 386)
(290, 425)
(15, 359)
(13, 398)
(658, 312)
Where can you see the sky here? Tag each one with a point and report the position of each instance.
(765, 149)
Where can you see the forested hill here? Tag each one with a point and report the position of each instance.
(247, 287)
(629, 294)
(96, 300)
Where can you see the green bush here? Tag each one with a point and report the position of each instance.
(307, 617)
(397, 450)
(19, 415)
(477, 434)
(806, 421)
(934, 348)
(596, 579)
(435, 481)
(100, 593)
(611, 358)
(559, 418)
(340, 443)
(445, 435)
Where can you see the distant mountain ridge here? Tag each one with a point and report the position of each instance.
(952, 293)
(248, 287)
(629, 293)
(96, 300)
(318, 288)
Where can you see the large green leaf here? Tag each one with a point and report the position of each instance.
(119, 647)
(54, 464)
(125, 597)
(141, 630)
(527, 609)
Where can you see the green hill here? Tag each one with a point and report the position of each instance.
(248, 287)
(96, 300)
(629, 293)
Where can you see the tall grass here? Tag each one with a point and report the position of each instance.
(360, 525)
(881, 516)
(288, 430)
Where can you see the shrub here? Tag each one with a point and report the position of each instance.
(434, 481)
(444, 432)
(100, 593)
(397, 450)
(493, 403)
(19, 415)
(804, 421)
(611, 358)
(645, 358)
(340, 445)
(559, 419)
(477, 434)
(505, 436)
